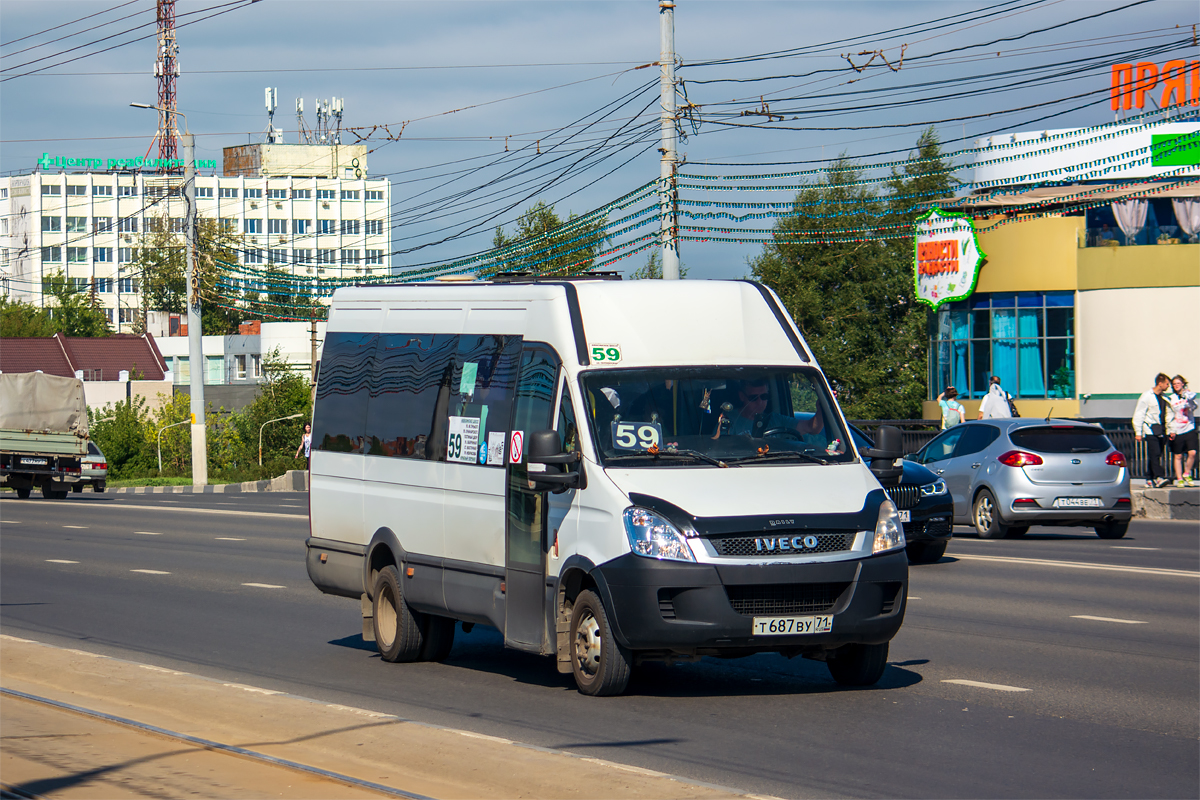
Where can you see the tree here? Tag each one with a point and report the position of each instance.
(850, 294)
(283, 392)
(21, 319)
(122, 431)
(652, 270)
(543, 243)
(74, 312)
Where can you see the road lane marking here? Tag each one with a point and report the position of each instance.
(1127, 547)
(228, 539)
(77, 527)
(363, 711)
(146, 533)
(1038, 562)
(1109, 619)
(254, 689)
(150, 571)
(264, 585)
(999, 687)
(59, 561)
(194, 510)
(913, 598)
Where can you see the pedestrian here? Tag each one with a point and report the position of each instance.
(952, 410)
(997, 402)
(1150, 423)
(1181, 429)
(306, 445)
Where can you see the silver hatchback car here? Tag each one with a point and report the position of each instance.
(1007, 474)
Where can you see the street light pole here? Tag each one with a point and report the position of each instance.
(195, 341)
(265, 424)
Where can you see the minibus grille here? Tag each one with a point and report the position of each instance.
(770, 546)
(785, 598)
(904, 495)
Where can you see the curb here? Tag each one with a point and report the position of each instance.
(294, 480)
(1167, 503)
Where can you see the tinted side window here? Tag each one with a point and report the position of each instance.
(535, 389)
(410, 395)
(341, 403)
(942, 447)
(976, 438)
(482, 387)
(1061, 440)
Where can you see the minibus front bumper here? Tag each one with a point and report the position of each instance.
(709, 609)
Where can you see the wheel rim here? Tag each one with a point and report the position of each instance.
(983, 514)
(587, 645)
(385, 616)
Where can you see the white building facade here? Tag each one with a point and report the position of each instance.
(311, 210)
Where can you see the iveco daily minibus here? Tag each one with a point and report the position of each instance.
(608, 472)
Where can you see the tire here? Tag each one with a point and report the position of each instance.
(600, 665)
(925, 552)
(1016, 531)
(23, 494)
(398, 634)
(439, 639)
(985, 516)
(1112, 530)
(98, 489)
(77, 488)
(858, 664)
(50, 493)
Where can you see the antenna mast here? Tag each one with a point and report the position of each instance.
(166, 69)
(274, 135)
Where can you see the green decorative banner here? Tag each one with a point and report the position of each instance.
(1175, 150)
(946, 257)
(48, 161)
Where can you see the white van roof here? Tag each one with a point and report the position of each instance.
(653, 322)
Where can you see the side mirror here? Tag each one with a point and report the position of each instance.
(887, 455)
(549, 466)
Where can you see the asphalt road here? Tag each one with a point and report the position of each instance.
(1056, 665)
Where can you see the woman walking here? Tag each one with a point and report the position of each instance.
(1181, 429)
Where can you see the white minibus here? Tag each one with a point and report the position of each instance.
(609, 472)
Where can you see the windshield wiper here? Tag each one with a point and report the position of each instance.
(780, 455)
(689, 454)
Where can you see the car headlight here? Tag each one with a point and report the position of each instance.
(889, 534)
(653, 536)
(934, 489)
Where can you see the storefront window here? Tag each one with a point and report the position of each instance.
(1026, 338)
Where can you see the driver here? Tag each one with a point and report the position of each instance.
(753, 419)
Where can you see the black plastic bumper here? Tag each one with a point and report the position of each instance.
(682, 607)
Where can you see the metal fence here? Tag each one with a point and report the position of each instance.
(917, 432)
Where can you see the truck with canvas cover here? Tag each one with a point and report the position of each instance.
(43, 433)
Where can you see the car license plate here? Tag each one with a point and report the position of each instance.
(1078, 502)
(905, 515)
(790, 626)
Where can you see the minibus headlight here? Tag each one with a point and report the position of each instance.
(935, 489)
(889, 535)
(654, 536)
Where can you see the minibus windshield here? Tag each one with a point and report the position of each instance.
(713, 417)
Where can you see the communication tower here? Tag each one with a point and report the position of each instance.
(329, 120)
(303, 134)
(166, 69)
(274, 135)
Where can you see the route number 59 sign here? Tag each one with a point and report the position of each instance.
(606, 353)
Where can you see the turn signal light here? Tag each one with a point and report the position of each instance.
(1019, 458)
(1115, 459)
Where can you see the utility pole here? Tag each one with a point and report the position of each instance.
(195, 342)
(312, 340)
(668, 194)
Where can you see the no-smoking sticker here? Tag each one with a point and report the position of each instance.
(516, 447)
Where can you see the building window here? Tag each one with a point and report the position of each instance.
(300, 226)
(1027, 339)
(126, 191)
(51, 224)
(52, 255)
(126, 254)
(327, 226)
(76, 224)
(76, 255)
(128, 315)
(108, 315)
(252, 226)
(216, 369)
(127, 225)
(302, 256)
(326, 194)
(101, 224)
(277, 226)
(374, 227)
(349, 194)
(255, 194)
(254, 256)
(228, 224)
(374, 194)
(277, 256)
(374, 256)
(277, 194)
(350, 256)
(323, 256)
(79, 285)
(102, 191)
(48, 188)
(105, 286)
(227, 191)
(177, 224)
(240, 367)
(301, 194)
(127, 286)
(76, 190)
(103, 254)
(204, 191)
(351, 227)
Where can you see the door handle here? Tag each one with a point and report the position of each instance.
(976, 465)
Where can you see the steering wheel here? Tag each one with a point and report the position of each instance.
(787, 431)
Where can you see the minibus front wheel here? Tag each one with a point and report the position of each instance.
(601, 666)
(858, 664)
(398, 632)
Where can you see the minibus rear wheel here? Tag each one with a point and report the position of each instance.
(601, 666)
(439, 638)
(858, 664)
(398, 632)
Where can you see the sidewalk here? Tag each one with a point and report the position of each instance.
(294, 480)
(53, 752)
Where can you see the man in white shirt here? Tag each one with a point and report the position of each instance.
(1150, 422)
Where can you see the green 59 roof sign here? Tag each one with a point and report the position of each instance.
(48, 161)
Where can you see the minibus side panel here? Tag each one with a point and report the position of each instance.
(406, 496)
